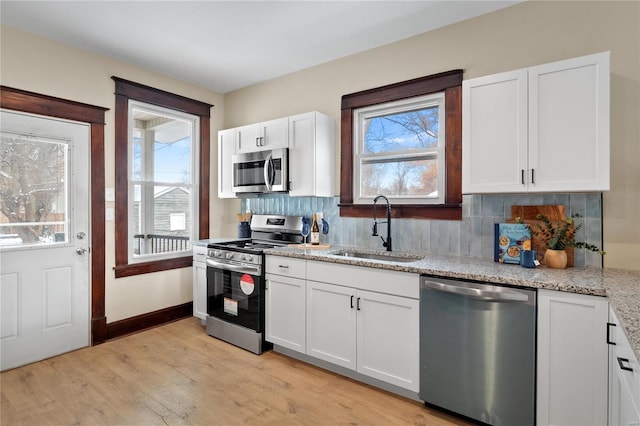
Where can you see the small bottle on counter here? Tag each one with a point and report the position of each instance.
(315, 231)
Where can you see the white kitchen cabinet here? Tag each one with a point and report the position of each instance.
(200, 282)
(311, 155)
(271, 134)
(540, 129)
(285, 314)
(624, 377)
(226, 149)
(372, 332)
(331, 323)
(572, 359)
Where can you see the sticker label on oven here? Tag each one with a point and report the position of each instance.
(247, 284)
(231, 306)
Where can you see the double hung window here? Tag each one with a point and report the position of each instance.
(163, 180)
(399, 151)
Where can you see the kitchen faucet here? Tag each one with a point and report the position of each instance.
(374, 230)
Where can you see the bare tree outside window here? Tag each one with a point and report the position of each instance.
(399, 151)
(33, 189)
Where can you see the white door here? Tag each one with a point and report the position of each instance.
(44, 237)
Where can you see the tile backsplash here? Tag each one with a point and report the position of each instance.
(472, 236)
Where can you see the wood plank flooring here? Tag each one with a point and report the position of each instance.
(177, 375)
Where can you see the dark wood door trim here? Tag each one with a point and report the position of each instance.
(34, 103)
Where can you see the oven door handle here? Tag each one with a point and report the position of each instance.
(252, 270)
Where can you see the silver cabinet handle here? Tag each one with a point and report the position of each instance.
(283, 266)
(504, 295)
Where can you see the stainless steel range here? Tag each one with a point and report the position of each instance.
(236, 281)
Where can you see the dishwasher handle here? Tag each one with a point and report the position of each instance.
(490, 294)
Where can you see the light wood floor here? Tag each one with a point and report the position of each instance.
(177, 375)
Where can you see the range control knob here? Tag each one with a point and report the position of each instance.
(217, 253)
(229, 255)
(242, 257)
(248, 258)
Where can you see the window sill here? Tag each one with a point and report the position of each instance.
(131, 269)
(406, 211)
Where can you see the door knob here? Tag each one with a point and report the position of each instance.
(81, 250)
(80, 235)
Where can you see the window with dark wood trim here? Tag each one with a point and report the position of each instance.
(126, 90)
(450, 83)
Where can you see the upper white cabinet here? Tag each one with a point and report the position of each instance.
(572, 359)
(311, 155)
(226, 149)
(540, 129)
(262, 136)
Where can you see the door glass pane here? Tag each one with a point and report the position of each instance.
(33, 190)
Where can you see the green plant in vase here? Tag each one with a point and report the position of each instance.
(557, 237)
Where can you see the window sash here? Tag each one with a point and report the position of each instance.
(361, 158)
(147, 184)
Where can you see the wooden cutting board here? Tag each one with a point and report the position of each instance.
(555, 213)
(310, 246)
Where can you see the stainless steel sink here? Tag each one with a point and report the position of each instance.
(406, 258)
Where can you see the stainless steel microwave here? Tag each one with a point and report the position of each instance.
(262, 171)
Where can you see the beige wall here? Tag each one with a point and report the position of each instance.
(40, 65)
(519, 36)
(527, 34)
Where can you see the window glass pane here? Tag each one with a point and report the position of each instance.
(161, 148)
(161, 219)
(402, 178)
(33, 190)
(401, 131)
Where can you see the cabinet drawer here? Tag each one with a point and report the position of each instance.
(199, 253)
(403, 284)
(286, 266)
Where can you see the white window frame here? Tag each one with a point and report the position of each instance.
(360, 116)
(192, 187)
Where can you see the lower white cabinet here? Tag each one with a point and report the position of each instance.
(199, 282)
(624, 377)
(285, 302)
(572, 359)
(372, 333)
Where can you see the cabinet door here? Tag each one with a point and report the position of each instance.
(311, 155)
(302, 152)
(624, 383)
(569, 125)
(248, 138)
(226, 149)
(285, 312)
(274, 134)
(572, 359)
(199, 282)
(494, 133)
(331, 323)
(388, 338)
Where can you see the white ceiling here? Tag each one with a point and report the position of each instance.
(227, 45)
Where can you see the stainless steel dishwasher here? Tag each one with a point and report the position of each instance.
(477, 350)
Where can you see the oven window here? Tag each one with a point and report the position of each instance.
(235, 297)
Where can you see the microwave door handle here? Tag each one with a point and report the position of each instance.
(268, 179)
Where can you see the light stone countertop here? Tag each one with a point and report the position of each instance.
(621, 286)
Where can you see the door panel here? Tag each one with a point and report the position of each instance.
(44, 251)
